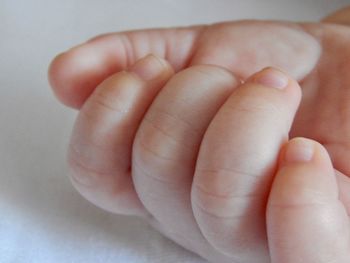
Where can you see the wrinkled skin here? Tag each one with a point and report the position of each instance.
(317, 55)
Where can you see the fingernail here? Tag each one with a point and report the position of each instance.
(299, 150)
(149, 67)
(273, 78)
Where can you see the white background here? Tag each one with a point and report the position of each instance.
(42, 218)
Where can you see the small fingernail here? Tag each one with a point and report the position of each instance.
(149, 67)
(273, 78)
(299, 150)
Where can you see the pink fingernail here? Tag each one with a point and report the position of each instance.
(149, 67)
(299, 150)
(273, 78)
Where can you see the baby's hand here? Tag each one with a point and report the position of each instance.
(203, 160)
(226, 221)
(316, 54)
(200, 151)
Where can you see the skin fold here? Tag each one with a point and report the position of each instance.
(194, 151)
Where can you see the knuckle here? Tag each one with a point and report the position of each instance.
(107, 104)
(80, 179)
(257, 103)
(116, 94)
(150, 149)
(155, 143)
(224, 182)
(171, 124)
(227, 192)
(223, 198)
(261, 107)
(158, 148)
(150, 158)
(114, 97)
(82, 173)
(163, 136)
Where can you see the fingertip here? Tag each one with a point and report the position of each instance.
(274, 85)
(305, 175)
(304, 206)
(299, 151)
(152, 67)
(271, 77)
(56, 73)
(74, 74)
(68, 78)
(276, 78)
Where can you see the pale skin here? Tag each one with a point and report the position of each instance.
(208, 160)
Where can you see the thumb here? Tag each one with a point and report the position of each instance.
(306, 222)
